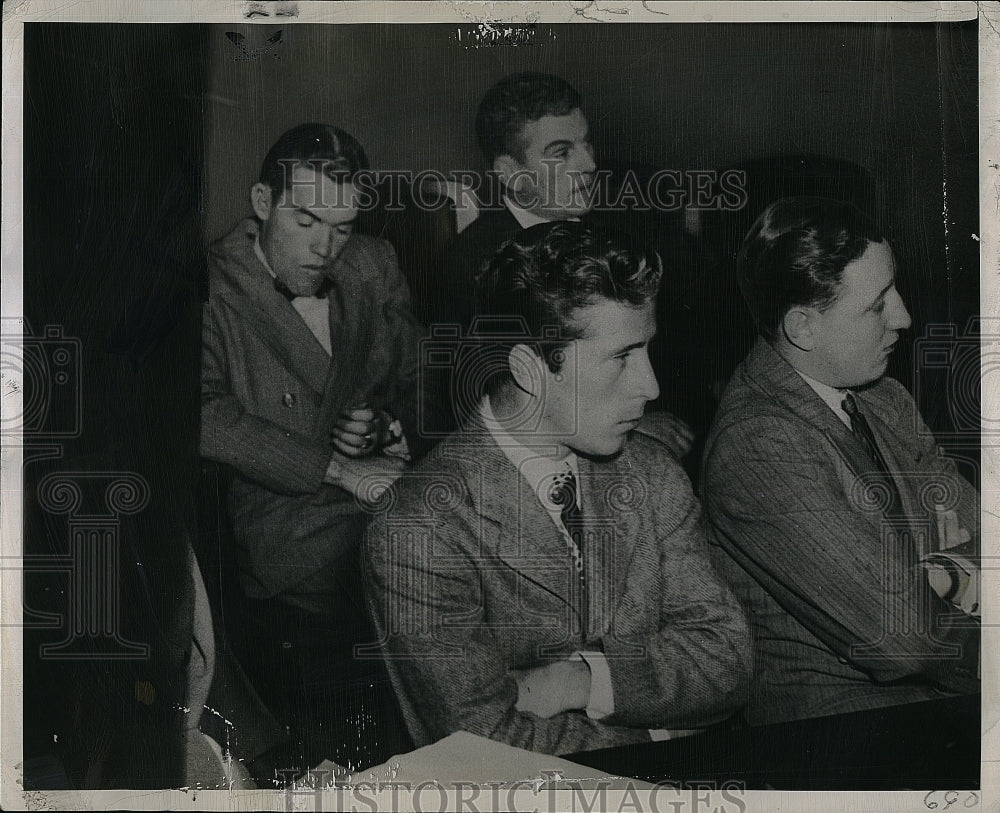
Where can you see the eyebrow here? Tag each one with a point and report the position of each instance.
(566, 142)
(634, 346)
(883, 292)
(562, 142)
(303, 211)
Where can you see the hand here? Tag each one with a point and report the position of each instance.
(366, 479)
(358, 431)
(552, 689)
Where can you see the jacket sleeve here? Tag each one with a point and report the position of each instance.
(262, 451)
(695, 667)
(774, 495)
(443, 660)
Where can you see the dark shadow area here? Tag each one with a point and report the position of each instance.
(113, 252)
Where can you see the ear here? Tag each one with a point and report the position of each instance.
(797, 325)
(260, 200)
(527, 368)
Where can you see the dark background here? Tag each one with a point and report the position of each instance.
(141, 142)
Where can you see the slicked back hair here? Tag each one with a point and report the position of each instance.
(515, 101)
(795, 255)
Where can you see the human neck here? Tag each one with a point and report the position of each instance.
(517, 413)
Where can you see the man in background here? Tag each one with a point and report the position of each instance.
(827, 489)
(536, 141)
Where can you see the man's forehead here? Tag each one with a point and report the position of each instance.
(313, 190)
(539, 133)
(607, 321)
(870, 273)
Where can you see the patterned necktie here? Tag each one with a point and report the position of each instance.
(863, 432)
(563, 495)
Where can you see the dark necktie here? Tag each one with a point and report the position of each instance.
(863, 432)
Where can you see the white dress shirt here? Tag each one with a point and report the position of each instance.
(831, 396)
(314, 312)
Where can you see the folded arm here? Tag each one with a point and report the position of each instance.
(448, 663)
(784, 516)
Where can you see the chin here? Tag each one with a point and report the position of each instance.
(610, 447)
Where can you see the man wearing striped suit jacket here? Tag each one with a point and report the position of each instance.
(542, 577)
(309, 370)
(824, 485)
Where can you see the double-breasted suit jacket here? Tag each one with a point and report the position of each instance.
(828, 571)
(469, 578)
(270, 395)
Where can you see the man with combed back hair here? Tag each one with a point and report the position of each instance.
(827, 489)
(309, 371)
(542, 577)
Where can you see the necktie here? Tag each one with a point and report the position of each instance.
(863, 432)
(564, 495)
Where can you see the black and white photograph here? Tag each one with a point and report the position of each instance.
(575, 405)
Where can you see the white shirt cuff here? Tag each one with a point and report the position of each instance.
(602, 694)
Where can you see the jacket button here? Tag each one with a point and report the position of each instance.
(288, 399)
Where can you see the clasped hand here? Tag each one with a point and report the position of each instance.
(358, 431)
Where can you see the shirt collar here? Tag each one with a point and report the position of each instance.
(260, 255)
(830, 396)
(528, 219)
(538, 469)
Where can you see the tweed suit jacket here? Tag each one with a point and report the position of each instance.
(468, 578)
(270, 395)
(842, 615)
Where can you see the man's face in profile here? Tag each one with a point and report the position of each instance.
(600, 391)
(305, 229)
(558, 168)
(854, 337)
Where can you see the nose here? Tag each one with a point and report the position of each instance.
(899, 316)
(325, 243)
(646, 386)
(585, 161)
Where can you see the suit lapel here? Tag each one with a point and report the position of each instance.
(516, 528)
(270, 315)
(773, 373)
(612, 534)
(885, 436)
(352, 332)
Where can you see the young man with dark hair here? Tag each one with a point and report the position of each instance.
(535, 139)
(309, 367)
(309, 398)
(542, 577)
(825, 486)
